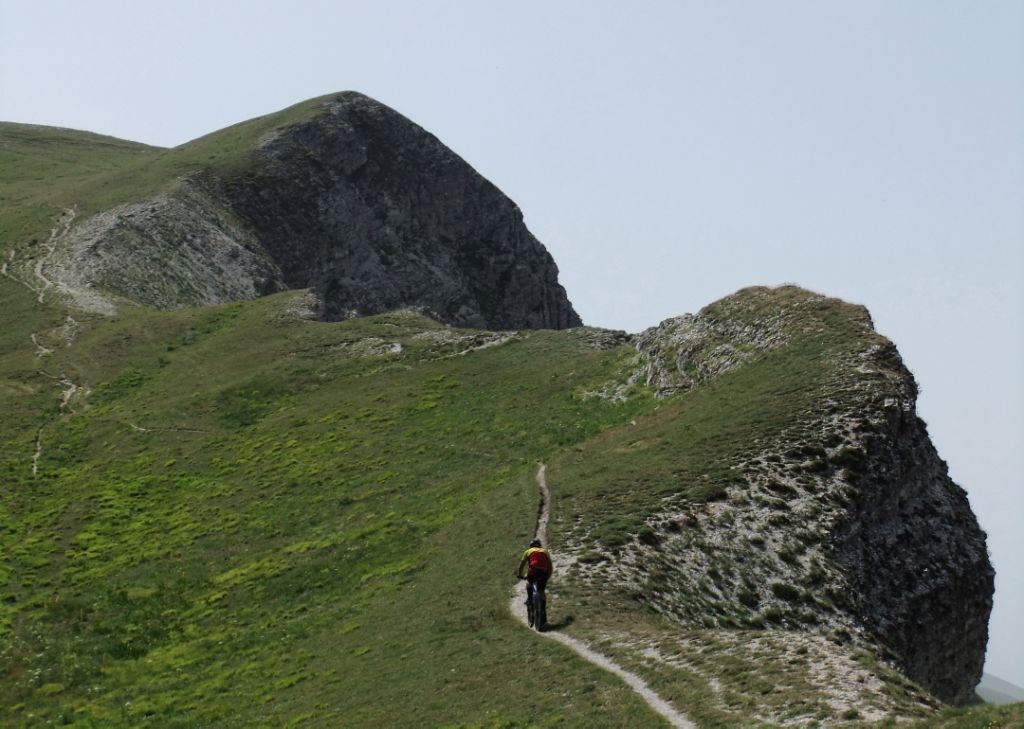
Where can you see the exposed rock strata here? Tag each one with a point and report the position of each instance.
(913, 551)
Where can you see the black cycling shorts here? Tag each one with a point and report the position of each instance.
(538, 578)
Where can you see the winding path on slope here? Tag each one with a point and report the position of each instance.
(68, 388)
(56, 233)
(518, 608)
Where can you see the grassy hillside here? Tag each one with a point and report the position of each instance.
(256, 519)
(253, 518)
(44, 169)
(727, 661)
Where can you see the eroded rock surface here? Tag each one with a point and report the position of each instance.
(844, 523)
(375, 213)
(915, 555)
(357, 203)
(177, 249)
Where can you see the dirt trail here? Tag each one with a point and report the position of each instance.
(67, 331)
(68, 390)
(54, 270)
(41, 349)
(5, 270)
(172, 429)
(518, 608)
(56, 233)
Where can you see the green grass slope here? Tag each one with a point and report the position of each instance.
(42, 170)
(253, 519)
(45, 169)
(690, 448)
(243, 518)
(605, 490)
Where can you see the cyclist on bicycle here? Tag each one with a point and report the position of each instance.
(535, 567)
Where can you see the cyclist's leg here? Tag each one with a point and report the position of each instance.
(542, 583)
(531, 606)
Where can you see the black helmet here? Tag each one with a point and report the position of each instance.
(535, 543)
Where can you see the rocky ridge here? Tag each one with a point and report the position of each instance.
(845, 525)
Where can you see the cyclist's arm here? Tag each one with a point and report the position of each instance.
(519, 572)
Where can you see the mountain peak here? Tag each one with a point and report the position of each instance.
(340, 194)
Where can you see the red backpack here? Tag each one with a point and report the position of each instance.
(539, 559)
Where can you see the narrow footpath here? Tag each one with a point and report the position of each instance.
(69, 329)
(56, 233)
(518, 608)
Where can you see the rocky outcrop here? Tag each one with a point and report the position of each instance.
(915, 556)
(685, 351)
(843, 522)
(355, 202)
(180, 248)
(375, 213)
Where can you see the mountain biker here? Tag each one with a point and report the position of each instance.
(535, 567)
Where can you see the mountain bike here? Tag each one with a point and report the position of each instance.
(536, 608)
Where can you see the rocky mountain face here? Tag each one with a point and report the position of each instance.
(845, 523)
(356, 202)
(913, 551)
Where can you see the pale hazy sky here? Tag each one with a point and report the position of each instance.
(667, 153)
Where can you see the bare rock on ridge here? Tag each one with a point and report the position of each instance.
(886, 544)
(355, 202)
(374, 213)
